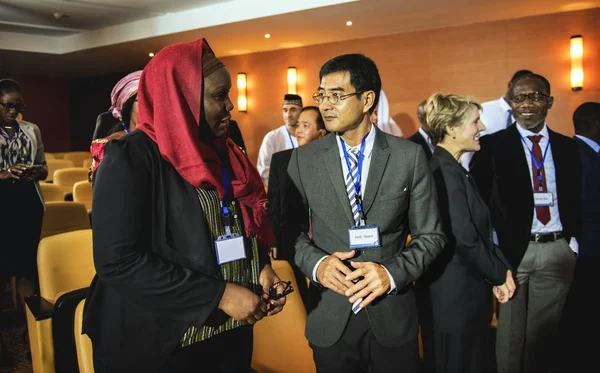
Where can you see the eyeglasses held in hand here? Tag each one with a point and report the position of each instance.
(534, 97)
(280, 289)
(333, 97)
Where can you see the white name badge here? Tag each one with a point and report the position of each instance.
(230, 248)
(543, 199)
(361, 237)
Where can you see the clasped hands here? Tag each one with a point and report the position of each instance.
(21, 171)
(367, 280)
(505, 291)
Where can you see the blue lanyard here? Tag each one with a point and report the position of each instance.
(290, 136)
(10, 137)
(537, 165)
(224, 208)
(125, 127)
(358, 172)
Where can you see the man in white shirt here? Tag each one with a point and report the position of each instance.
(496, 115)
(530, 177)
(281, 138)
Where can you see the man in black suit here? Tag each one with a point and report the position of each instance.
(422, 136)
(286, 210)
(579, 319)
(530, 177)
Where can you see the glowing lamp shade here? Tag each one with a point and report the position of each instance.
(292, 78)
(242, 102)
(576, 62)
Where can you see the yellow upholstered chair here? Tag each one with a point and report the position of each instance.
(59, 155)
(56, 164)
(66, 178)
(62, 216)
(66, 269)
(51, 192)
(78, 157)
(82, 192)
(83, 343)
(49, 155)
(87, 163)
(279, 342)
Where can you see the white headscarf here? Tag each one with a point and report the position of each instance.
(384, 121)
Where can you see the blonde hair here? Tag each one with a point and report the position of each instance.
(447, 110)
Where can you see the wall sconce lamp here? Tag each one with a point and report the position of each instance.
(576, 62)
(292, 78)
(241, 85)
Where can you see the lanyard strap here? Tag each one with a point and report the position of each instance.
(358, 173)
(224, 208)
(290, 136)
(16, 129)
(538, 166)
(125, 127)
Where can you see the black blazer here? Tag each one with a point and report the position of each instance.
(504, 180)
(590, 172)
(417, 138)
(463, 275)
(287, 213)
(157, 272)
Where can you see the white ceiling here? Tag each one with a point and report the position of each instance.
(102, 36)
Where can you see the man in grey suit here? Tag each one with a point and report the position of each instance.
(366, 190)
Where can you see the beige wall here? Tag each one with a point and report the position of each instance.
(476, 60)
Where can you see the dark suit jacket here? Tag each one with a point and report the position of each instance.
(235, 134)
(157, 272)
(287, 213)
(399, 196)
(463, 275)
(504, 181)
(590, 195)
(417, 138)
(104, 123)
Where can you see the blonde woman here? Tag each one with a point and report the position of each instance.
(471, 266)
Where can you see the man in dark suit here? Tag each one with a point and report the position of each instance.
(362, 313)
(422, 136)
(285, 205)
(579, 319)
(530, 177)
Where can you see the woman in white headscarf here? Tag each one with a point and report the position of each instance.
(381, 117)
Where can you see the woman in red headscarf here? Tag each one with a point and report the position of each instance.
(180, 230)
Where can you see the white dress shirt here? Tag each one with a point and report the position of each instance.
(369, 142)
(554, 225)
(591, 143)
(275, 141)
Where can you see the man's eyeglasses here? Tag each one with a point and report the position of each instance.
(280, 289)
(333, 97)
(534, 97)
(19, 108)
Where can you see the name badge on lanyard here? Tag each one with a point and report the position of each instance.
(363, 235)
(229, 247)
(540, 196)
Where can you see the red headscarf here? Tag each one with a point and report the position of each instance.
(170, 98)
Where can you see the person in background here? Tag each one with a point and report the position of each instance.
(281, 138)
(422, 136)
(470, 266)
(22, 166)
(235, 134)
(382, 119)
(181, 232)
(530, 178)
(124, 109)
(286, 210)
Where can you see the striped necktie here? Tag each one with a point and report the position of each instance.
(350, 183)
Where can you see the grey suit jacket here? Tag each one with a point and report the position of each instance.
(400, 197)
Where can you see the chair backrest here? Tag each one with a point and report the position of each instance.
(87, 163)
(78, 157)
(59, 155)
(61, 217)
(82, 192)
(66, 178)
(51, 192)
(83, 344)
(279, 341)
(65, 263)
(56, 164)
(49, 155)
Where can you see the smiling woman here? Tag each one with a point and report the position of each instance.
(22, 165)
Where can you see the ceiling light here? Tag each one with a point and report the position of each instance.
(150, 54)
(267, 36)
(349, 23)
